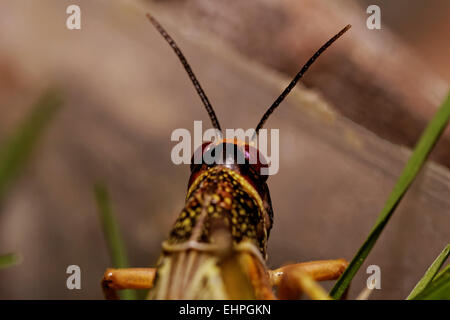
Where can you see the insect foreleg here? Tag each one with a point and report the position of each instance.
(296, 278)
(130, 278)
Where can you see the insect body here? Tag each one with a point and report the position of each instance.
(217, 247)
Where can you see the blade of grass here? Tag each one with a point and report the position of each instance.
(430, 274)
(9, 260)
(16, 150)
(438, 289)
(415, 162)
(112, 234)
(441, 273)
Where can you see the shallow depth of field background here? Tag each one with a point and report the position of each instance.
(345, 133)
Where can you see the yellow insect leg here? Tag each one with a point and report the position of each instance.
(301, 277)
(130, 278)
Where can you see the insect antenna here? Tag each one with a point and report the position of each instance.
(187, 67)
(298, 77)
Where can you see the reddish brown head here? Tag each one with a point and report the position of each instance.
(240, 157)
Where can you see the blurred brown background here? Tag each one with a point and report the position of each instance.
(344, 134)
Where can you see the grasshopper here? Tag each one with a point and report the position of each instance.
(217, 248)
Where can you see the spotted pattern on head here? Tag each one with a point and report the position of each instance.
(221, 199)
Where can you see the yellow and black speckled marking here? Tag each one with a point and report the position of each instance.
(221, 197)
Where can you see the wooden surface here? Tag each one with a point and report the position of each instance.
(372, 78)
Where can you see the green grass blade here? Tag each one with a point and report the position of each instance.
(424, 146)
(112, 234)
(16, 150)
(9, 260)
(441, 273)
(431, 273)
(111, 228)
(438, 289)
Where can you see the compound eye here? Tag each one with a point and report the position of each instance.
(198, 155)
(256, 161)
